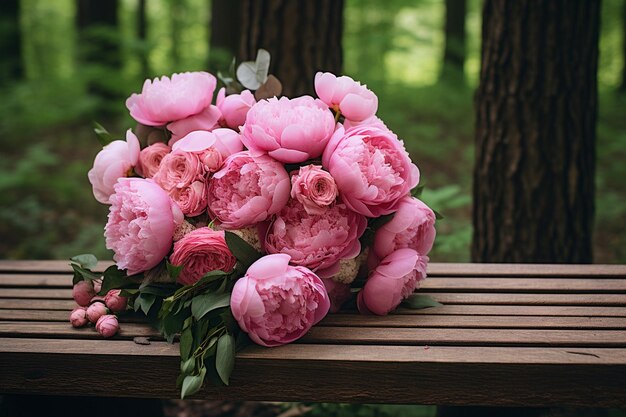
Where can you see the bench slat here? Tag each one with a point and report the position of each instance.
(41, 304)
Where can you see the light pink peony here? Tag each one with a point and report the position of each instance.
(314, 188)
(78, 317)
(317, 242)
(107, 325)
(115, 301)
(234, 107)
(207, 120)
(412, 226)
(192, 199)
(200, 251)
(355, 101)
(115, 160)
(371, 122)
(95, 311)
(206, 145)
(83, 292)
(179, 169)
(290, 131)
(392, 281)
(142, 219)
(150, 159)
(247, 190)
(276, 303)
(338, 294)
(372, 169)
(166, 100)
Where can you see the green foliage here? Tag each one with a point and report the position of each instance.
(420, 301)
(361, 410)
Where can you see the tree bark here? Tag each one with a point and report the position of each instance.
(225, 33)
(536, 111)
(303, 37)
(11, 67)
(454, 32)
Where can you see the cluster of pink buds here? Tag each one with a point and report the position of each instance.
(96, 309)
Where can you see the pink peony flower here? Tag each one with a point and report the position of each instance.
(337, 293)
(95, 311)
(115, 160)
(107, 325)
(392, 281)
(210, 147)
(234, 107)
(179, 169)
(200, 251)
(355, 101)
(412, 226)
(192, 199)
(290, 131)
(82, 293)
(142, 219)
(207, 120)
(371, 122)
(115, 301)
(314, 188)
(276, 303)
(247, 190)
(372, 169)
(317, 242)
(78, 317)
(150, 159)
(166, 100)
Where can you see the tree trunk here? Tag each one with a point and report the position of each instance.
(303, 37)
(224, 35)
(11, 67)
(536, 111)
(454, 32)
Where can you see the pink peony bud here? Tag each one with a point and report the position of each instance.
(82, 293)
(115, 301)
(97, 286)
(78, 317)
(95, 311)
(107, 325)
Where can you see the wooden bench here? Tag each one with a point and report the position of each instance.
(508, 335)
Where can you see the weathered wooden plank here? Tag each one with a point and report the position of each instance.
(58, 316)
(552, 285)
(530, 299)
(402, 374)
(10, 280)
(34, 293)
(63, 330)
(40, 304)
(504, 310)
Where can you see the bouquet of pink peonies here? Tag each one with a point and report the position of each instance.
(251, 218)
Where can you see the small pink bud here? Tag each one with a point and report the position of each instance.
(97, 286)
(107, 325)
(115, 301)
(83, 292)
(78, 317)
(95, 311)
(212, 159)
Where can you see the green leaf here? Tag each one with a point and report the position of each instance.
(192, 384)
(187, 366)
(419, 301)
(116, 279)
(145, 302)
(103, 135)
(438, 215)
(174, 270)
(242, 250)
(204, 303)
(160, 290)
(81, 274)
(172, 324)
(86, 261)
(186, 343)
(417, 191)
(225, 357)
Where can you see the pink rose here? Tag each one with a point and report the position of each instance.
(276, 303)
(207, 120)
(355, 101)
(234, 107)
(314, 188)
(290, 131)
(392, 281)
(78, 317)
(115, 301)
(82, 292)
(200, 251)
(317, 242)
(412, 226)
(150, 159)
(192, 199)
(107, 325)
(166, 100)
(115, 160)
(247, 190)
(179, 169)
(372, 169)
(95, 311)
(337, 293)
(142, 219)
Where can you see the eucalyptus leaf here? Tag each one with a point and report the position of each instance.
(225, 357)
(253, 74)
(204, 303)
(87, 260)
(192, 384)
(420, 301)
(242, 250)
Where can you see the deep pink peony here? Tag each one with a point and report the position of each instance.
(317, 242)
(276, 303)
(234, 107)
(290, 131)
(107, 325)
(179, 169)
(142, 219)
(372, 169)
(314, 188)
(200, 251)
(115, 301)
(78, 317)
(83, 292)
(397, 277)
(355, 101)
(95, 311)
(207, 120)
(247, 190)
(412, 226)
(166, 100)
(115, 160)
(150, 159)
